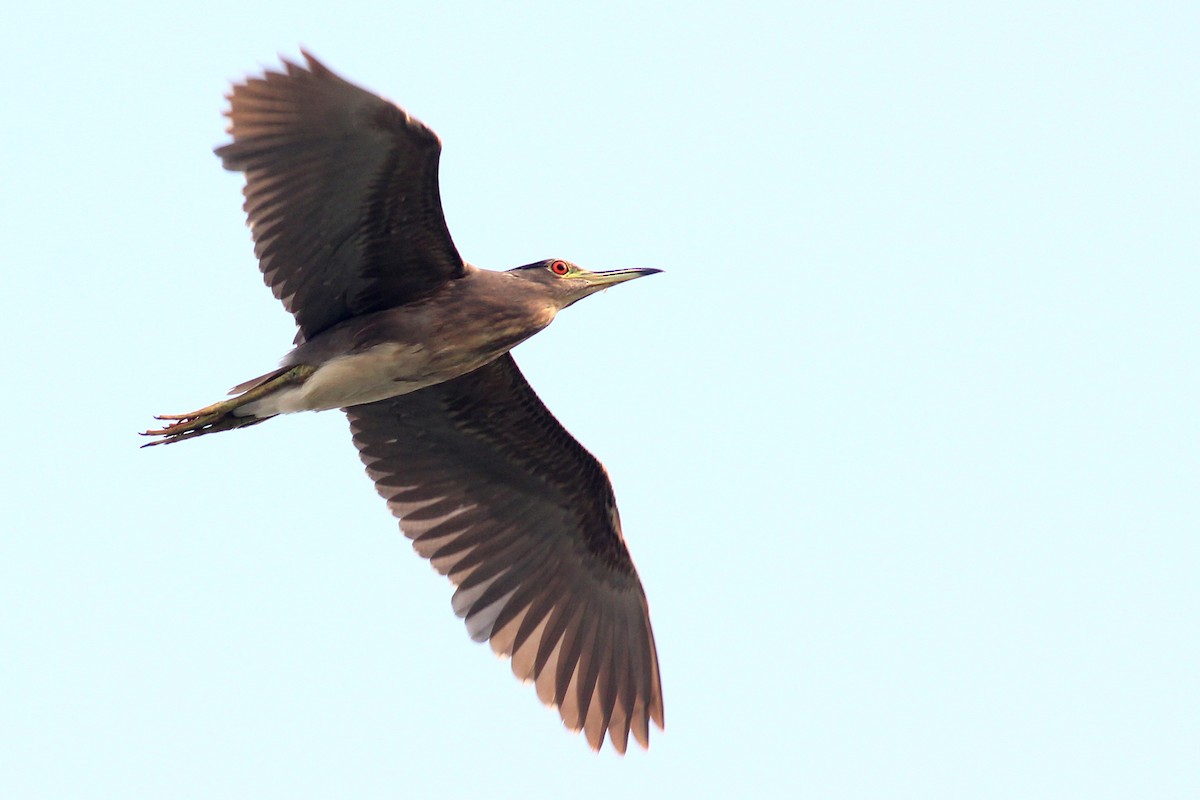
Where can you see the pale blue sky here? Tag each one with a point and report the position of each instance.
(905, 439)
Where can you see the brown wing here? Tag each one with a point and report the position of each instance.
(341, 194)
(500, 498)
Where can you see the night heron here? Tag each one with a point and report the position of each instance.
(413, 343)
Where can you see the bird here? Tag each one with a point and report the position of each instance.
(413, 344)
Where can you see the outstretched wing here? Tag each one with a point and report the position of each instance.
(341, 195)
(501, 499)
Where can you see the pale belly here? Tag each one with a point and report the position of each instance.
(381, 372)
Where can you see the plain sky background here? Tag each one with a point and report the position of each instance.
(905, 439)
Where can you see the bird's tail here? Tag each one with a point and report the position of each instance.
(223, 416)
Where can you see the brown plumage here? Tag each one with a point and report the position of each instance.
(507, 504)
(342, 200)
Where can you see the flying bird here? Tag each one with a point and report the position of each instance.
(413, 342)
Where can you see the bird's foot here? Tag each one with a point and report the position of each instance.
(210, 419)
(222, 416)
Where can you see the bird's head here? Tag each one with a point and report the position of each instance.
(567, 283)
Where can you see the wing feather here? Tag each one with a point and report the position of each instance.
(522, 519)
(331, 172)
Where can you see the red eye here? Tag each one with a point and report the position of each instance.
(559, 268)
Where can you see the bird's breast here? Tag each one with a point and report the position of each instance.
(374, 373)
(402, 350)
(389, 369)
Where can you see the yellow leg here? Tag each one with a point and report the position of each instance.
(220, 416)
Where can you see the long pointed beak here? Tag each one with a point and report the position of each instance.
(602, 280)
